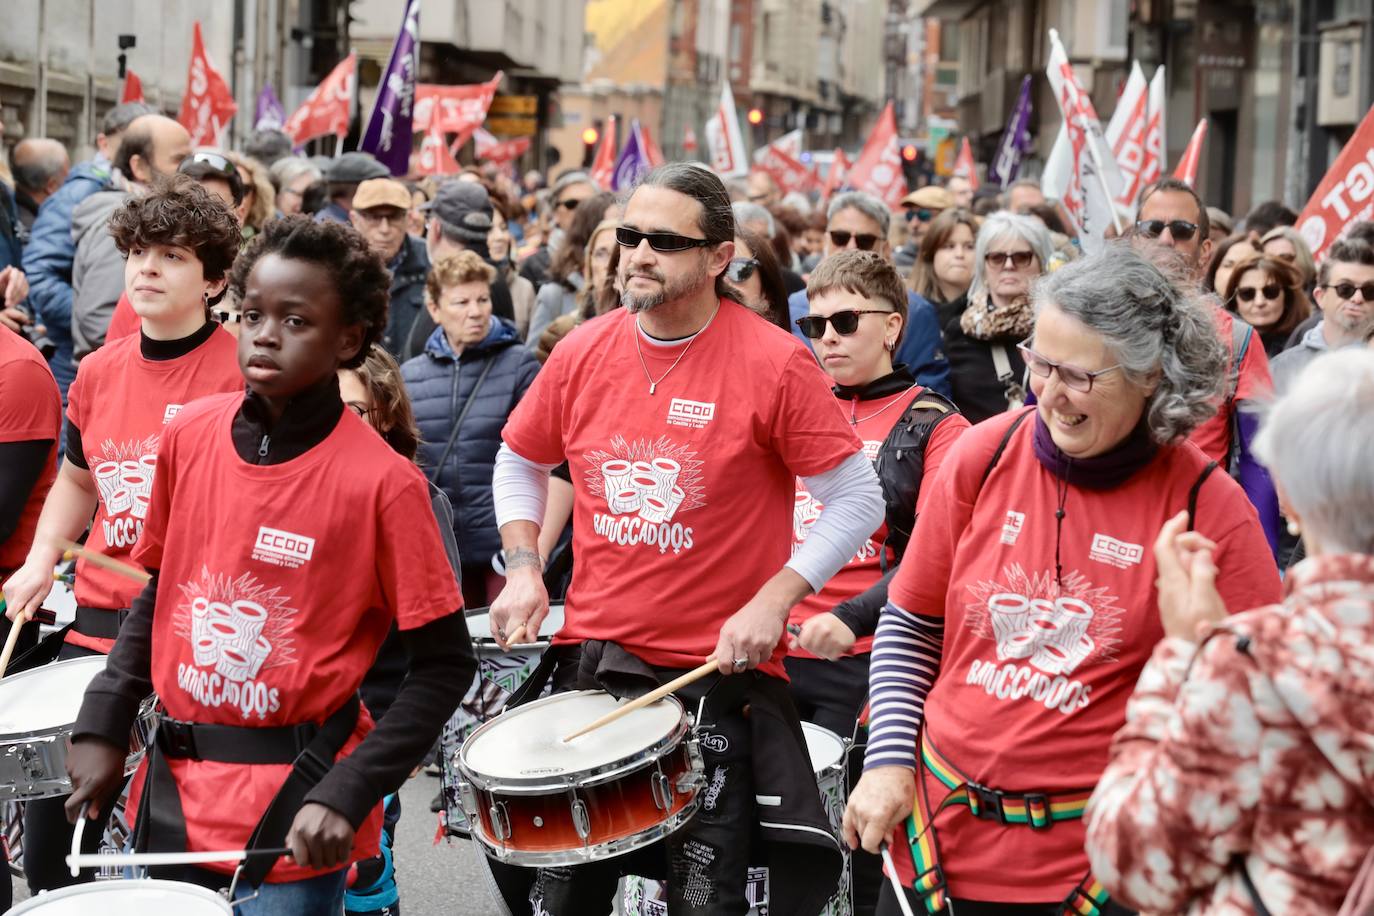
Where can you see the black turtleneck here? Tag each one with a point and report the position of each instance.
(307, 420)
(899, 379)
(157, 351)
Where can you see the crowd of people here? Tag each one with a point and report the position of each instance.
(1076, 547)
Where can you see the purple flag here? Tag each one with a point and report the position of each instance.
(388, 135)
(269, 114)
(632, 163)
(1015, 140)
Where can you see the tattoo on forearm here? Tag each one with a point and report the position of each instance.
(523, 556)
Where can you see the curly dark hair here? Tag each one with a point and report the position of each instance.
(361, 279)
(178, 211)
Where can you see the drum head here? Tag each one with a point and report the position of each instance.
(525, 745)
(824, 747)
(479, 627)
(143, 897)
(45, 698)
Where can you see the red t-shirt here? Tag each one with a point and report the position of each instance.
(122, 402)
(1034, 677)
(684, 497)
(30, 411)
(1213, 435)
(866, 566)
(277, 585)
(124, 321)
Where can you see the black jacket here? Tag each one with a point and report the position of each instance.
(973, 375)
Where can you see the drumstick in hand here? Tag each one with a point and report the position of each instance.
(513, 638)
(12, 640)
(99, 559)
(649, 698)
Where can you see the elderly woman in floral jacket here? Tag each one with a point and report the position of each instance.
(1243, 780)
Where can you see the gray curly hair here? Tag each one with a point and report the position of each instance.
(1156, 324)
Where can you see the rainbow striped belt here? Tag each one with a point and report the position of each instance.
(1037, 810)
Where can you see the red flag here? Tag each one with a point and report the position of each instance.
(839, 174)
(488, 147)
(689, 140)
(603, 166)
(459, 108)
(1186, 170)
(652, 153)
(1343, 198)
(208, 105)
(789, 174)
(327, 109)
(435, 157)
(133, 88)
(964, 165)
(879, 169)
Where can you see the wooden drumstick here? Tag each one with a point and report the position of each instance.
(13, 639)
(71, 550)
(518, 631)
(651, 697)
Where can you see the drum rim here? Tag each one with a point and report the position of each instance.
(534, 785)
(840, 744)
(486, 640)
(122, 886)
(15, 678)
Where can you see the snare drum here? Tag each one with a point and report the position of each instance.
(142, 897)
(37, 714)
(499, 674)
(535, 800)
(644, 897)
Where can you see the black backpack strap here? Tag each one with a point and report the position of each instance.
(458, 423)
(1002, 446)
(1196, 489)
(900, 466)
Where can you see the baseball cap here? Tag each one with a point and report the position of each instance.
(464, 207)
(354, 167)
(381, 192)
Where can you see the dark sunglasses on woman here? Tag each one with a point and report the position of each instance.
(846, 322)
(658, 241)
(741, 269)
(864, 240)
(1180, 229)
(1017, 260)
(1269, 291)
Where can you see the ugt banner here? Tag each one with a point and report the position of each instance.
(1346, 194)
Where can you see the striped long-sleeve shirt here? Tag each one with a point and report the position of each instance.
(905, 661)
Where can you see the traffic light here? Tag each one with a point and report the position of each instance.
(589, 137)
(755, 117)
(909, 153)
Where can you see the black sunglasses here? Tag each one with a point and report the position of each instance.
(921, 213)
(658, 241)
(862, 240)
(569, 204)
(845, 322)
(214, 160)
(1180, 229)
(1018, 260)
(741, 269)
(1269, 291)
(1347, 290)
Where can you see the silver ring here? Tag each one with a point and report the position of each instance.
(741, 663)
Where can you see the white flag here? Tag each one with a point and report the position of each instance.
(789, 143)
(724, 142)
(1091, 180)
(1155, 144)
(1126, 133)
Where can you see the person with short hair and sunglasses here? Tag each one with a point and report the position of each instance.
(986, 371)
(1171, 217)
(1345, 295)
(856, 220)
(1008, 649)
(1267, 292)
(685, 420)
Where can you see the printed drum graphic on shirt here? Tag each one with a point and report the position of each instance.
(645, 484)
(1043, 632)
(238, 630)
(124, 483)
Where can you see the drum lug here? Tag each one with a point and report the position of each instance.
(582, 821)
(662, 791)
(31, 762)
(500, 822)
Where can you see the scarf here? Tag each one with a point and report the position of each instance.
(985, 320)
(1100, 472)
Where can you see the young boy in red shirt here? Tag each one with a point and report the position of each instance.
(290, 537)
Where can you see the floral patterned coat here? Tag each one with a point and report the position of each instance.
(1257, 748)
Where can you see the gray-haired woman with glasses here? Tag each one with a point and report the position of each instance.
(1005, 657)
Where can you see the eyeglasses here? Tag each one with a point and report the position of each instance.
(1347, 290)
(923, 214)
(864, 241)
(1073, 377)
(741, 269)
(1017, 260)
(1269, 291)
(215, 161)
(358, 408)
(1180, 229)
(569, 204)
(373, 217)
(658, 241)
(846, 322)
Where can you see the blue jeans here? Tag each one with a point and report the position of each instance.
(319, 896)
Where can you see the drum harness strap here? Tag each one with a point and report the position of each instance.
(1036, 810)
(99, 622)
(310, 749)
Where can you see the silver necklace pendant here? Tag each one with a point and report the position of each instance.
(652, 387)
